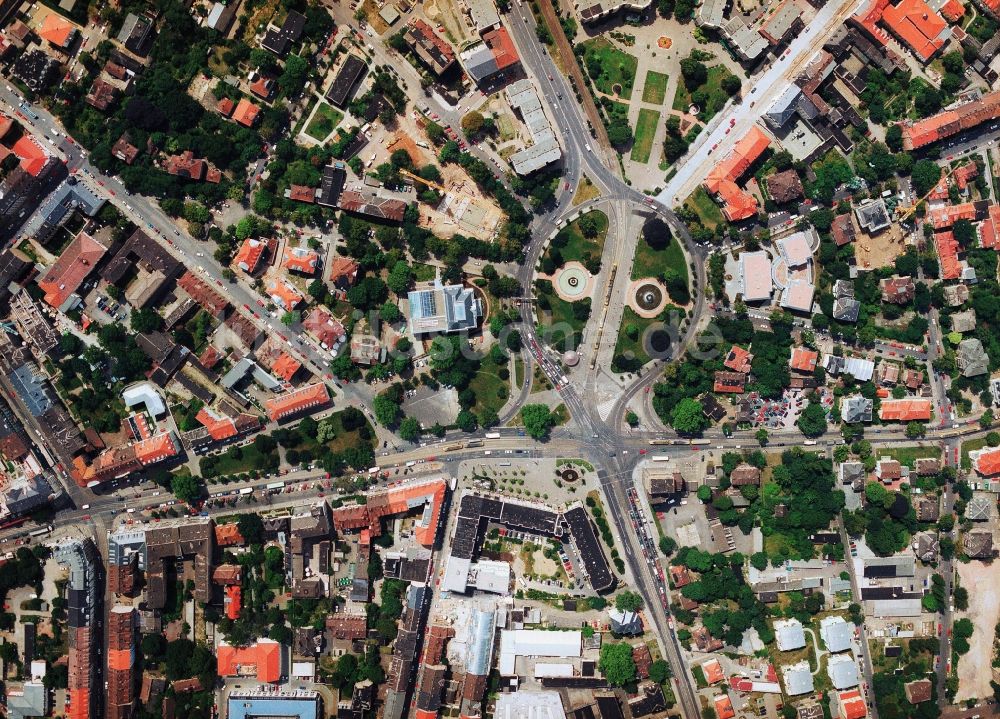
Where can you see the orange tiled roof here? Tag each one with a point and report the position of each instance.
(804, 360)
(713, 671)
(185, 165)
(284, 294)
(286, 366)
(852, 705)
(942, 217)
(724, 707)
(228, 535)
(301, 259)
(156, 449)
(225, 107)
(905, 410)
(721, 181)
(917, 25)
(951, 122)
(6, 123)
(261, 87)
(246, 112)
(947, 252)
(234, 601)
(56, 30)
(940, 191)
(963, 174)
(953, 10)
(31, 154)
(249, 256)
(989, 230)
(219, 427)
(396, 500)
(502, 47)
(262, 660)
(69, 271)
(343, 269)
(295, 401)
(988, 462)
(738, 359)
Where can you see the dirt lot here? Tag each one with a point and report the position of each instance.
(449, 15)
(975, 668)
(879, 251)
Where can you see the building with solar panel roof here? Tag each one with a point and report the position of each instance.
(444, 308)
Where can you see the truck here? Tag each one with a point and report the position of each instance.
(474, 443)
(274, 485)
(411, 463)
(492, 435)
(809, 442)
(246, 490)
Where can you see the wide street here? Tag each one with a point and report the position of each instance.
(736, 119)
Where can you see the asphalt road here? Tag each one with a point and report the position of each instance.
(730, 125)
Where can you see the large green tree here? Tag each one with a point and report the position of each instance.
(687, 416)
(616, 663)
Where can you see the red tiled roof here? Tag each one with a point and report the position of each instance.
(713, 671)
(721, 181)
(738, 359)
(284, 294)
(320, 324)
(947, 252)
(233, 601)
(988, 462)
(989, 230)
(953, 10)
(6, 123)
(302, 193)
(343, 269)
(225, 107)
(804, 360)
(286, 366)
(917, 25)
(852, 705)
(729, 382)
(963, 174)
(219, 426)
(249, 256)
(68, 272)
(246, 113)
(56, 30)
(262, 660)
(905, 410)
(156, 449)
(202, 293)
(312, 395)
(944, 217)
(261, 87)
(951, 122)
(124, 150)
(209, 357)
(502, 46)
(185, 165)
(31, 154)
(228, 535)
(395, 500)
(301, 259)
(724, 707)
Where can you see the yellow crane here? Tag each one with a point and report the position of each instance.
(489, 212)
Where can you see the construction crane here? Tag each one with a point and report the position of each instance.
(444, 190)
(488, 209)
(904, 211)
